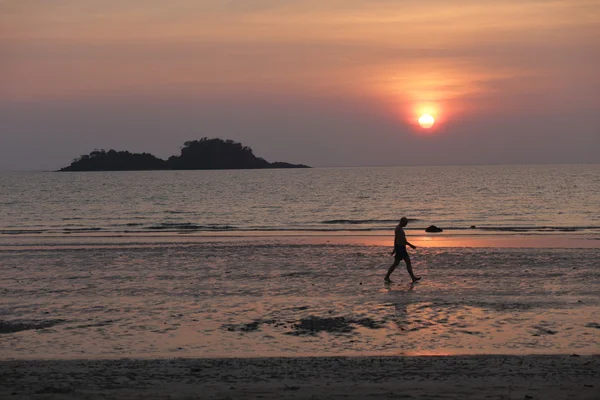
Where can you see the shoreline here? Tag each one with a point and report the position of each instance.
(510, 377)
(134, 357)
(436, 240)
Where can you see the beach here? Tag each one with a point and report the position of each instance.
(452, 377)
(159, 297)
(133, 320)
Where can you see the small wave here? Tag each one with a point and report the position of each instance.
(20, 231)
(528, 228)
(25, 325)
(364, 221)
(190, 226)
(325, 226)
(183, 225)
(296, 274)
(294, 229)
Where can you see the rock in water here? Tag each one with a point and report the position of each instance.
(433, 229)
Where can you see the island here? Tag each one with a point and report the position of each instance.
(196, 154)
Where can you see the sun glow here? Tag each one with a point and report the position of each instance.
(426, 121)
(426, 115)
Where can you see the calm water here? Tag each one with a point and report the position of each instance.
(495, 199)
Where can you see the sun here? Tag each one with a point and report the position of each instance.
(426, 121)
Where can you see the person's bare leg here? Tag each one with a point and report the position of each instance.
(392, 268)
(410, 271)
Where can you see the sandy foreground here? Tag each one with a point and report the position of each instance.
(423, 377)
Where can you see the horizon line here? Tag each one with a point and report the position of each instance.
(333, 166)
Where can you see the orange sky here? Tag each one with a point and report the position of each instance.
(463, 56)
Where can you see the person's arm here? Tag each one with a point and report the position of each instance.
(401, 239)
(396, 236)
(412, 246)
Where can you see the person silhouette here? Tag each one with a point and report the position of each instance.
(400, 252)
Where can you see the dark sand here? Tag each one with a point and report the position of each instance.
(439, 377)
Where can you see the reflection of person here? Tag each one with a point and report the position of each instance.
(400, 252)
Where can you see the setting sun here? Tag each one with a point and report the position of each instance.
(426, 121)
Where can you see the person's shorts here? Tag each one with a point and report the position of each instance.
(401, 253)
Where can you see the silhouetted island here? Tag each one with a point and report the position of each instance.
(196, 154)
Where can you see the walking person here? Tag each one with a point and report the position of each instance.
(400, 252)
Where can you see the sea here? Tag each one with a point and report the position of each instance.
(290, 262)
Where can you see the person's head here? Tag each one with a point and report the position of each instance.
(403, 221)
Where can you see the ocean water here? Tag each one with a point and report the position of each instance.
(256, 263)
(494, 199)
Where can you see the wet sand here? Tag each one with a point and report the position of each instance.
(204, 301)
(452, 377)
(256, 299)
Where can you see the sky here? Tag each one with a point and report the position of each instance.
(324, 83)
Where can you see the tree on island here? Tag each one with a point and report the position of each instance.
(101, 160)
(196, 154)
(215, 154)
